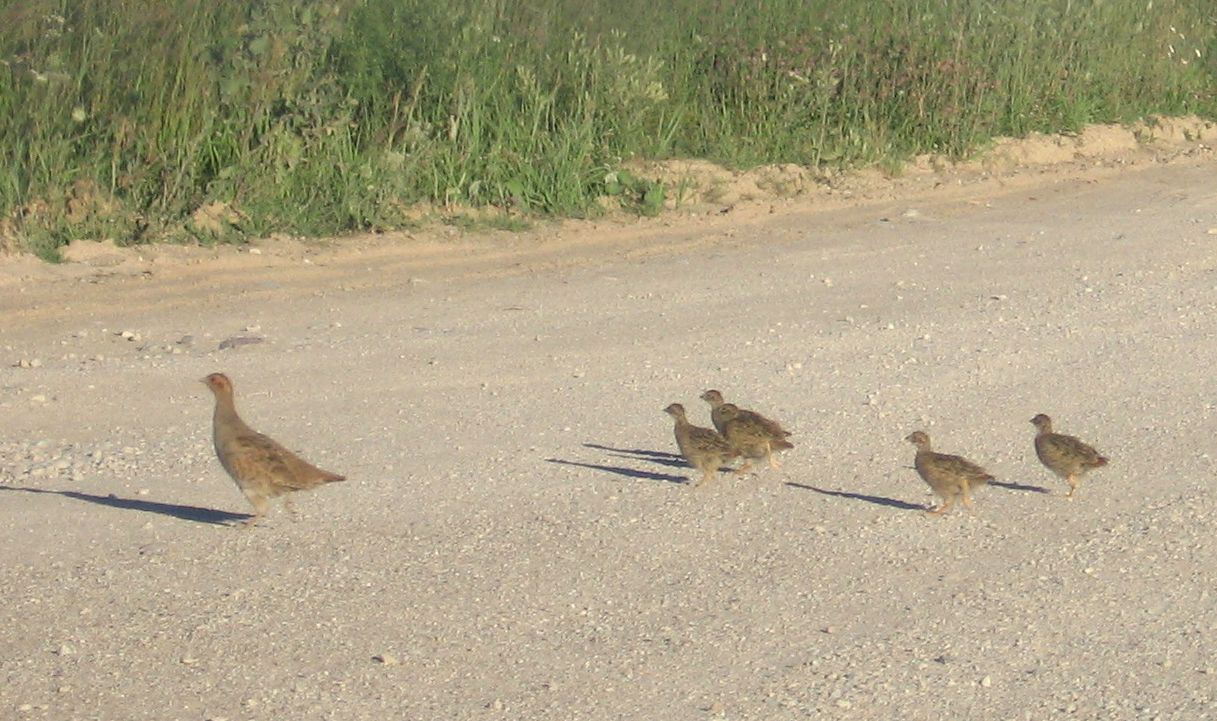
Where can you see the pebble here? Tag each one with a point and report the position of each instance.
(238, 341)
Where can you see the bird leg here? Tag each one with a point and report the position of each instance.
(1072, 480)
(946, 505)
(290, 508)
(967, 497)
(260, 504)
(773, 462)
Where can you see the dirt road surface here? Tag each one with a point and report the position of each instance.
(516, 540)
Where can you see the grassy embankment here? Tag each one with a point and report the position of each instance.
(122, 118)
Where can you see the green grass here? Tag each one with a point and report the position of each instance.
(120, 118)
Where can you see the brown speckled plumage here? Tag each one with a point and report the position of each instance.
(753, 435)
(262, 468)
(1064, 455)
(949, 476)
(704, 448)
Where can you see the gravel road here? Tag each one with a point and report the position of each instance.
(517, 541)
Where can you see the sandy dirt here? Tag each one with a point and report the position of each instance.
(517, 541)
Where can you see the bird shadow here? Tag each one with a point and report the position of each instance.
(623, 471)
(658, 456)
(196, 514)
(877, 500)
(675, 462)
(1011, 486)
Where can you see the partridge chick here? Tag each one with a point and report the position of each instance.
(719, 416)
(1064, 455)
(262, 468)
(949, 476)
(752, 435)
(703, 448)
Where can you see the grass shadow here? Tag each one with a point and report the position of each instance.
(196, 514)
(877, 500)
(623, 471)
(1010, 486)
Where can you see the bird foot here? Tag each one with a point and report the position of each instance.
(938, 511)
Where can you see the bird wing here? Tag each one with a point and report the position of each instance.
(260, 454)
(1070, 448)
(961, 467)
(768, 426)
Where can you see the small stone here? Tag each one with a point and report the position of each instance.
(238, 341)
(386, 659)
(39, 398)
(986, 682)
(255, 251)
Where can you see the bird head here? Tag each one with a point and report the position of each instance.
(712, 397)
(919, 439)
(1042, 423)
(218, 383)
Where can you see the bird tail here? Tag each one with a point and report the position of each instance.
(327, 477)
(781, 445)
(1099, 462)
(981, 479)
